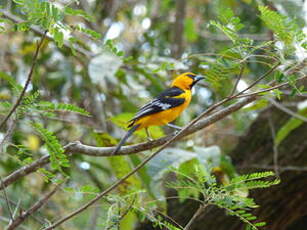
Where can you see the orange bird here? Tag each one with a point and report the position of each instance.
(165, 108)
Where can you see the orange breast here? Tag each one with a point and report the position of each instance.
(166, 116)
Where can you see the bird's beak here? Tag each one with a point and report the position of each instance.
(198, 78)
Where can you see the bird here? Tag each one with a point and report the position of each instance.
(164, 108)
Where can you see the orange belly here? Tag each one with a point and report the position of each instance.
(163, 117)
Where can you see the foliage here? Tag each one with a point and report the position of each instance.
(57, 157)
(197, 182)
(101, 62)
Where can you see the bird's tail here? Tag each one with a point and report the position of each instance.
(124, 139)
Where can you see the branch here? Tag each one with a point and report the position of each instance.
(180, 134)
(78, 147)
(269, 89)
(23, 171)
(185, 131)
(36, 30)
(286, 110)
(27, 82)
(7, 203)
(125, 150)
(22, 217)
(237, 81)
(196, 214)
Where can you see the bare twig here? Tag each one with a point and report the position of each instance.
(275, 148)
(259, 79)
(237, 81)
(4, 219)
(269, 89)
(18, 206)
(286, 110)
(281, 168)
(7, 202)
(9, 131)
(27, 82)
(33, 209)
(196, 214)
(25, 170)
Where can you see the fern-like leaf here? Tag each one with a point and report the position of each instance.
(53, 107)
(57, 157)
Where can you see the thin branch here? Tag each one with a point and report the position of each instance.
(259, 79)
(270, 167)
(36, 30)
(185, 131)
(23, 171)
(77, 147)
(22, 217)
(196, 214)
(237, 82)
(4, 219)
(17, 205)
(180, 134)
(286, 110)
(269, 89)
(275, 148)
(169, 218)
(7, 202)
(125, 150)
(27, 82)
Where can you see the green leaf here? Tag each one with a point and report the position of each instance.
(11, 81)
(93, 34)
(89, 189)
(81, 13)
(260, 224)
(58, 158)
(292, 124)
(122, 119)
(48, 106)
(285, 29)
(259, 104)
(58, 37)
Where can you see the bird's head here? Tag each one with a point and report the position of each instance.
(186, 80)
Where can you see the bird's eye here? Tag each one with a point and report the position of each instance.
(191, 75)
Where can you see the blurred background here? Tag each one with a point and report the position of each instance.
(140, 46)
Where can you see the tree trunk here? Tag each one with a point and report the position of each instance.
(283, 206)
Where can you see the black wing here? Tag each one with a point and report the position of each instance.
(162, 102)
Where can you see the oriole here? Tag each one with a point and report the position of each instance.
(165, 108)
